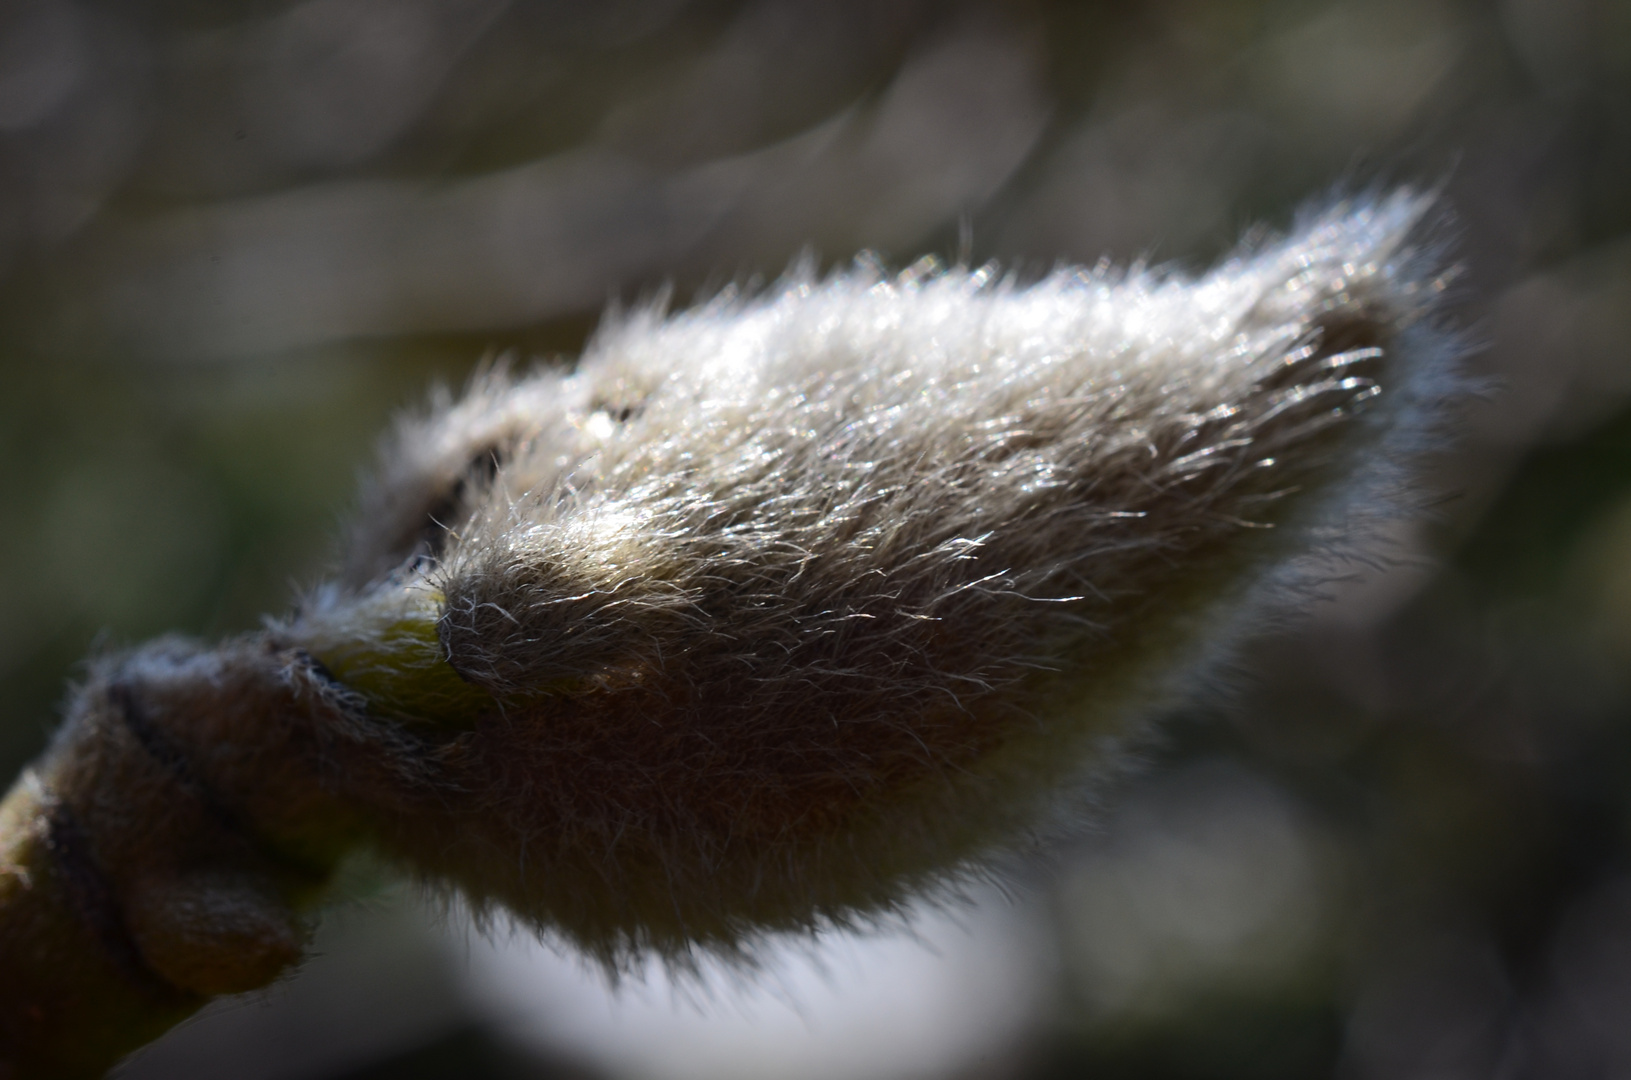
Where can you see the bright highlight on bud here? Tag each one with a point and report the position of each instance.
(769, 616)
(779, 610)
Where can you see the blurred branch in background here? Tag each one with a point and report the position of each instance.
(233, 237)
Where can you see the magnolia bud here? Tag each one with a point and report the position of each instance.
(782, 609)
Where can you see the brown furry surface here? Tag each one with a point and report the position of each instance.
(780, 610)
(772, 615)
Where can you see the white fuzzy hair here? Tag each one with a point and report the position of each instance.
(780, 610)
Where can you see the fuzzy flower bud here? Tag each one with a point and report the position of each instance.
(780, 610)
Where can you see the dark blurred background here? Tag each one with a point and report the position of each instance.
(235, 236)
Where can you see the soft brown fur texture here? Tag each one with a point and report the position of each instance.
(772, 615)
(779, 611)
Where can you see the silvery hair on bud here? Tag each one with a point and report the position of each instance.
(776, 612)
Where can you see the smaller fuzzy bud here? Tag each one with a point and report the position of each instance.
(209, 932)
